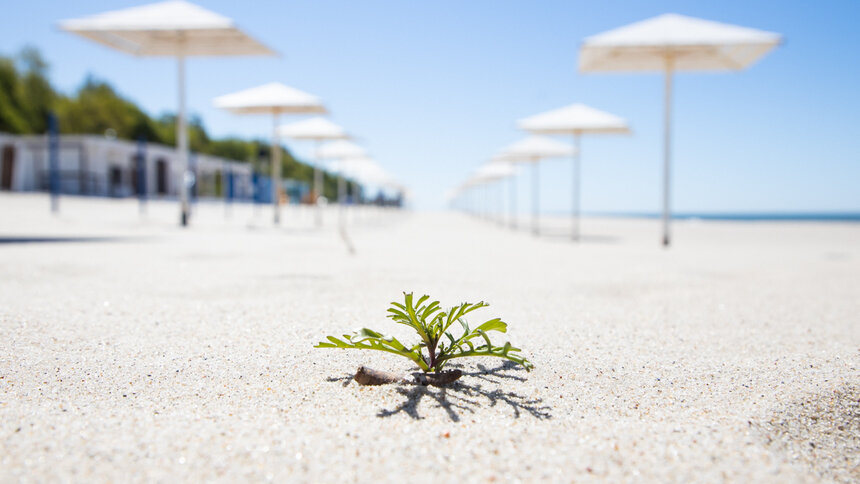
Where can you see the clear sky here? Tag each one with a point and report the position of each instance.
(434, 88)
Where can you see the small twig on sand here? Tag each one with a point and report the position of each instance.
(346, 240)
(369, 376)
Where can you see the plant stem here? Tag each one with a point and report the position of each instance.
(432, 349)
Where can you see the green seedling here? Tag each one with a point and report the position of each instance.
(438, 345)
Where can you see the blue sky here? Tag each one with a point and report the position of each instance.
(433, 89)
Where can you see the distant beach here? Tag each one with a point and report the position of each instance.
(743, 216)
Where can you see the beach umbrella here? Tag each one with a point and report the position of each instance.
(374, 174)
(492, 172)
(348, 167)
(574, 120)
(169, 29)
(670, 43)
(467, 189)
(512, 188)
(275, 99)
(340, 149)
(344, 155)
(460, 196)
(358, 167)
(366, 170)
(316, 129)
(353, 165)
(451, 195)
(532, 150)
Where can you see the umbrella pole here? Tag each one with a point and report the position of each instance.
(513, 208)
(356, 201)
(575, 211)
(500, 187)
(341, 199)
(667, 156)
(482, 202)
(276, 169)
(535, 198)
(182, 145)
(472, 205)
(476, 202)
(488, 204)
(317, 184)
(491, 201)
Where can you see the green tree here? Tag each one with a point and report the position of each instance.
(97, 108)
(12, 119)
(37, 96)
(27, 97)
(198, 139)
(232, 149)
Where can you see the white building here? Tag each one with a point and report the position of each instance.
(95, 165)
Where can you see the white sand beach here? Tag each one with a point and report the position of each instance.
(133, 350)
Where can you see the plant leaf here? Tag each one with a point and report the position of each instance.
(494, 325)
(368, 339)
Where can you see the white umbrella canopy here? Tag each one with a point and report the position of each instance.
(494, 171)
(316, 129)
(350, 165)
(692, 44)
(533, 149)
(340, 149)
(669, 43)
(273, 98)
(576, 120)
(376, 175)
(455, 194)
(169, 29)
(365, 170)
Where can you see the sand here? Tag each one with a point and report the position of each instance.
(133, 350)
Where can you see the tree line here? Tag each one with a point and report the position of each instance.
(27, 98)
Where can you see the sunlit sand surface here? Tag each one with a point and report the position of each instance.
(134, 350)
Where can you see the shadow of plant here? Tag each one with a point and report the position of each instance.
(344, 380)
(463, 396)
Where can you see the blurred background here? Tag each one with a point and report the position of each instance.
(432, 90)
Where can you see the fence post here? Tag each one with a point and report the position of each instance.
(140, 161)
(229, 189)
(54, 162)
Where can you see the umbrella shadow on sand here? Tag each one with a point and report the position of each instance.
(62, 239)
(474, 390)
(564, 236)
